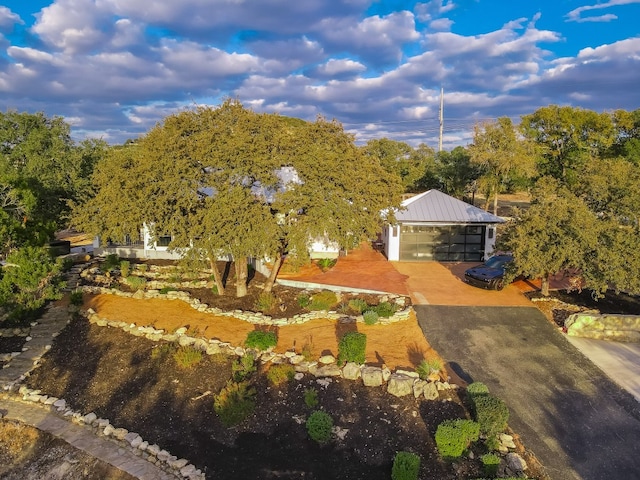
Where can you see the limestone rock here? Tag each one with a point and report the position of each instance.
(372, 376)
(516, 463)
(327, 359)
(351, 371)
(431, 391)
(332, 370)
(400, 385)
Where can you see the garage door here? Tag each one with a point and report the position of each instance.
(455, 243)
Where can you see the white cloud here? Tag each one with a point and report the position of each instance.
(337, 67)
(575, 15)
(8, 19)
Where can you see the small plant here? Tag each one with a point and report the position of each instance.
(307, 351)
(111, 261)
(75, 298)
(319, 425)
(142, 267)
(453, 437)
(476, 388)
(214, 289)
(490, 464)
(406, 466)
(136, 283)
(323, 301)
(125, 268)
(266, 302)
(343, 307)
(491, 413)
(370, 317)
(326, 263)
(281, 373)
(174, 276)
(243, 367)
(352, 348)
(386, 309)
(187, 357)
(234, 403)
(161, 351)
(358, 305)
(492, 443)
(304, 300)
(165, 290)
(311, 397)
(427, 367)
(64, 263)
(261, 340)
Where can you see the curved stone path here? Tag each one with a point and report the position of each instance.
(44, 418)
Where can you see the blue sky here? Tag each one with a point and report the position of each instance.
(114, 68)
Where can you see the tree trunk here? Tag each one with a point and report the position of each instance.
(242, 274)
(495, 203)
(217, 278)
(268, 286)
(544, 288)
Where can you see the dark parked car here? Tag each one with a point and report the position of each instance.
(490, 274)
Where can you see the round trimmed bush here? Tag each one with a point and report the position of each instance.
(319, 425)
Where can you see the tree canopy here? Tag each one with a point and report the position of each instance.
(42, 171)
(227, 180)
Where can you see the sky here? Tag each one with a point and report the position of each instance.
(115, 68)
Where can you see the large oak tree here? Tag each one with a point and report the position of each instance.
(227, 180)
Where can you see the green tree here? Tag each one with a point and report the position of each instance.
(227, 180)
(400, 159)
(502, 155)
(569, 139)
(627, 144)
(41, 172)
(30, 278)
(456, 173)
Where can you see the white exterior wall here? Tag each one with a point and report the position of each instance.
(322, 249)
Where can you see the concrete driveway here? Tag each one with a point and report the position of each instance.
(577, 421)
(433, 283)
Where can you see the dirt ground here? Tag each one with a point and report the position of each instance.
(397, 345)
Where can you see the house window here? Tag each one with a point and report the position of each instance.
(163, 241)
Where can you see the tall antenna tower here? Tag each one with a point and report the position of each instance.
(441, 118)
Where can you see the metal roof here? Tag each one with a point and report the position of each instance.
(435, 206)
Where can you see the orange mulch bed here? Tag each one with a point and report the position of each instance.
(399, 345)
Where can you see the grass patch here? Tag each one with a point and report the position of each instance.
(187, 357)
(261, 340)
(234, 403)
(281, 373)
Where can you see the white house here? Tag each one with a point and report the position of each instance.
(437, 227)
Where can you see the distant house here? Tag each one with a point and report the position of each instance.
(437, 227)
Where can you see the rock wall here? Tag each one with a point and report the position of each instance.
(621, 328)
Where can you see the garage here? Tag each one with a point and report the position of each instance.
(436, 227)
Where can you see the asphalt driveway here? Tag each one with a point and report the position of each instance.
(577, 421)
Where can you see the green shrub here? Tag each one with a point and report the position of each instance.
(75, 298)
(65, 264)
(492, 443)
(304, 300)
(281, 373)
(311, 397)
(370, 317)
(358, 305)
(326, 263)
(28, 280)
(490, 464)
(476, 388)
(111, 261)
(352, 348)
(143, 267)
(161, 351)
(165, 290)
(125, 268)
(136, 283)
(234, 403)
(323, 301)
(261, 340)
(491, 413)
(426, 367)
(343, 307)
(386, 309)
(453, 437)
(319, 425)
(266, 302)
(187, 357)
(406, 466)
(243, 367)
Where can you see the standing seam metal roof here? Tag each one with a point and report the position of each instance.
(435, 206)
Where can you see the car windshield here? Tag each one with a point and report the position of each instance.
(497, 262)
